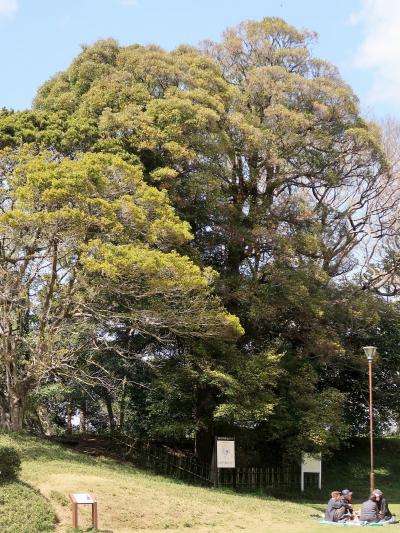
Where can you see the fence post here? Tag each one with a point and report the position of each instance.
(186, 467)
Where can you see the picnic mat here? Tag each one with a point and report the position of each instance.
(357, 524)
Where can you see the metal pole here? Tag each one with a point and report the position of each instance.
(214, 465)
(371, 429)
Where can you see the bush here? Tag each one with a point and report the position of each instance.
(10, 463)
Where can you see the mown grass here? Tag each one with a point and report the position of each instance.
(134, 500)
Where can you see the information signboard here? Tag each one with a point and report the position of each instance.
(311, 464)
(225, 453)
(82, 498)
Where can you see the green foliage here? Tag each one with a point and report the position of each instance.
(199, 197)
(10, 463)
(249, 397)
(97, 242)
(373, 322)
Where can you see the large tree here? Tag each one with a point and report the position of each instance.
(262, 149)
(87, 248)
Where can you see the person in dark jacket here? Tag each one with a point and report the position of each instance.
(369, 510)
(334, 505)
(345, 513)
(383, 506)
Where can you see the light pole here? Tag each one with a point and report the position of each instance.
(370, 352)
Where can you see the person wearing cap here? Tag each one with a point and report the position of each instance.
(333, 507)
(345, 513)
(369, 510)
(384, 513)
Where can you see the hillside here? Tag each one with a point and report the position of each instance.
(350, 468)
(132, 500)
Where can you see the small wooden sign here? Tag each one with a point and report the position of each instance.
(82, 498)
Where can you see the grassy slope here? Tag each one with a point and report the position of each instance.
(131, 500)
(24, 510)
(350, 468)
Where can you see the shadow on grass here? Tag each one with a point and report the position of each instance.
(91, 530)
(42, 450)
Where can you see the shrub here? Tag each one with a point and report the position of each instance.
(10, 463)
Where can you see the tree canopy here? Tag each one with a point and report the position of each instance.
(87, 247)
(203, 225)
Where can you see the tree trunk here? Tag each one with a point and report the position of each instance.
(44, 421)
(205, 425)
(16, 405)
(111, 417)
(12, 411)
(69, 418)
(82, 419)
(4, 415)
(40, 422)
(122, 406)
(204, 444)
(16, 393)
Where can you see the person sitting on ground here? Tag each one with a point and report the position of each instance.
(334, 505)
(384, 513)
(345, 511)
(369, 511)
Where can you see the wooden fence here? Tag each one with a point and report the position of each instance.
(165, 461)
(255, 478)
(182, 465)
(178, 465)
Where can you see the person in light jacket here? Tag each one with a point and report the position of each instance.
(334, 505)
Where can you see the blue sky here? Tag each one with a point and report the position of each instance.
(40, 37)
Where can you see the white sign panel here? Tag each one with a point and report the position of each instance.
(225, 454)
(311, 464)
(83, 498)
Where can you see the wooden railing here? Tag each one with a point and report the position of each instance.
(181, 465)
(176, 464)
(255, 478)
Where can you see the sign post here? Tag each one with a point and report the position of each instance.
(311, 464)
(224, 457)
(83, 499)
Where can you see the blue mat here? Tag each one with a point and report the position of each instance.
(356, 524)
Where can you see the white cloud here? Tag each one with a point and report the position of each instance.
(379, 50)
(8, 7)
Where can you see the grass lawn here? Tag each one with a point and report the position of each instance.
(132, 500)
(24, 510)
